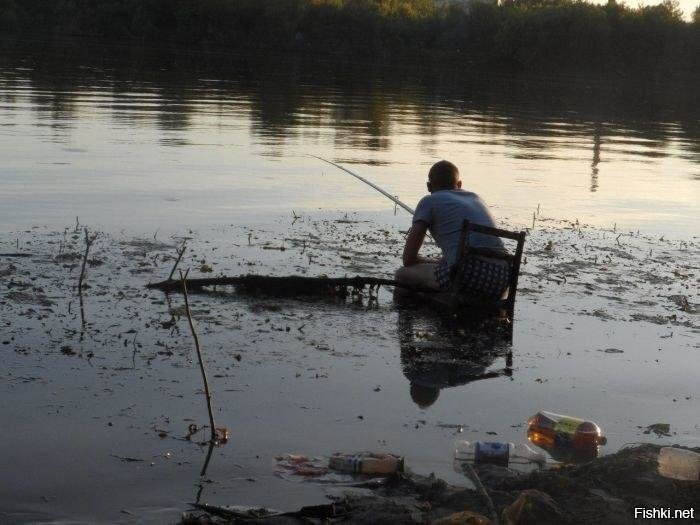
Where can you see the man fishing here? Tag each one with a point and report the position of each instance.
(443, 212)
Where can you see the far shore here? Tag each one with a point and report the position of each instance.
(654, 42)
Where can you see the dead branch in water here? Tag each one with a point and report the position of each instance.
(183, 281)
(290, 284)
(16, 254)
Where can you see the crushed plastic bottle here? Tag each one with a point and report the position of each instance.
(679, 463)
(566, 431)
(497, 453)
(369, 463)
(300, 465)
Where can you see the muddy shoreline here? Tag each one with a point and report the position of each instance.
(602, 316)
(606, 490)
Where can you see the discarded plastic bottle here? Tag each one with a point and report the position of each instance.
(497, 453)
(679, 463)
(566, 430)
(367, 463)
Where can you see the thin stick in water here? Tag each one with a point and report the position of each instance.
(89, 239)
(482, 490)
(183, 281)
(180, 253)
(206, 462)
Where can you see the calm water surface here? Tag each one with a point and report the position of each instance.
(144, 145)
(148, 142)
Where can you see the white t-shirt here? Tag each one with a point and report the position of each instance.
(444, 211)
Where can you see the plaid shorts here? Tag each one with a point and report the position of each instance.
(484, 279)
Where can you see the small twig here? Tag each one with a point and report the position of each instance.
(183, 281)
(199, 493)
(207, 459)
(89, 239)
(127, 459)
(133, 355)
(180, 253)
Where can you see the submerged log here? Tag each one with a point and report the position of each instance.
(293, 284)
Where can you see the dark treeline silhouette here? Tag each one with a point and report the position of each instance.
(519, 34)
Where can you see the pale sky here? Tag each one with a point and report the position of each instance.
(688, 6)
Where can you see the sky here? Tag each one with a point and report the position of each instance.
(688, 6)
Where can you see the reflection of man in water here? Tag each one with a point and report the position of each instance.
(440, 356)
(443, 212)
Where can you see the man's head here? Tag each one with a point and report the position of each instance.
(443, 175)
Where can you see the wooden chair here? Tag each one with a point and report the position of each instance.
(458, 300)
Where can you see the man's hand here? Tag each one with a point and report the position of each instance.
(414, 241)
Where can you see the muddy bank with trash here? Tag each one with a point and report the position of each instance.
(605, 490)
(108, 395)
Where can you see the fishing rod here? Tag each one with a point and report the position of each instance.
(371, 184)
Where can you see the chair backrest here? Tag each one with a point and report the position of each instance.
(513, 260)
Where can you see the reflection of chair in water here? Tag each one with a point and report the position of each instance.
(439, 353)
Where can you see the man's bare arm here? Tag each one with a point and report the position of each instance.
(414, 241)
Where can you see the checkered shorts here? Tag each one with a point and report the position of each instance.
(484, 279)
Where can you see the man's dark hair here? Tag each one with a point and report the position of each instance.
(443, 175)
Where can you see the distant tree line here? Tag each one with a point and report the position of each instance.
(519, 34)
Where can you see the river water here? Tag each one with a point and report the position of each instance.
(148, 147)
(145, 141)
